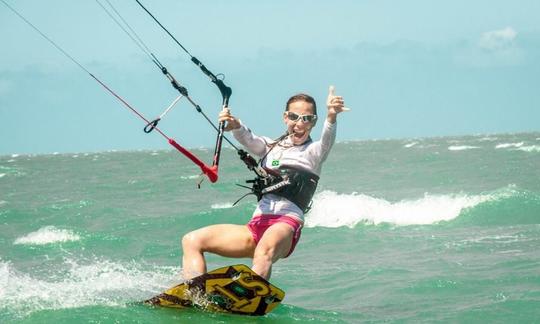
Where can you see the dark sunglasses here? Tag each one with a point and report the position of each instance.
(305, 118)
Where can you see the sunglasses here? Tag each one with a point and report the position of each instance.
(305, 118)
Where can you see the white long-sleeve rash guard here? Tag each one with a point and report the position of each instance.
(308, 156)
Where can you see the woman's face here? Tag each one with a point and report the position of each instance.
(299, 129)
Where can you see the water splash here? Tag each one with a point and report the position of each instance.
(47, 235)
(85, 283)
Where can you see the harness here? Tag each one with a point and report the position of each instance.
(292, 183)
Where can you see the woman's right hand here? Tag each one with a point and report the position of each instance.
(230, 120)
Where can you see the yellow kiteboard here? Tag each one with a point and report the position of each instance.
(232, 289)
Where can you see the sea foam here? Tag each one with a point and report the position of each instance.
(462, 147)
(4, 275)
(222, 205)
(190, 177)
(507, 145)
(331, 209)
(84, 283)
(47, 235)
(488, 139)
(530, 148)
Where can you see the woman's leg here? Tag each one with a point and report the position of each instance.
(275, 244)
(233, 241)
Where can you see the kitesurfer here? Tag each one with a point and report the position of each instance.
(294, 164)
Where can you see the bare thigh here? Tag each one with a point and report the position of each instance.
(276, 242)
(228, 240)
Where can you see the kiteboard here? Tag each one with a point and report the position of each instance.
(232, 289)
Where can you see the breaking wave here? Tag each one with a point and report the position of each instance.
(47, 235)
(331, 209)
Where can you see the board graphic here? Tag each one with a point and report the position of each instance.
(232, 289)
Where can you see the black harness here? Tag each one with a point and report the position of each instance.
(294, 184)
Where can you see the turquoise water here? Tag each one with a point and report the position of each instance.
(419, 230)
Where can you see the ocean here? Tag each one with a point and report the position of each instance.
(411, 231)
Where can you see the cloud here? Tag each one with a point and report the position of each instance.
(494, 48)
(497, 39)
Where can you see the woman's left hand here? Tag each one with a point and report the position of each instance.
(335, 104)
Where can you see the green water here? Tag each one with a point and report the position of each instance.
(420, 230)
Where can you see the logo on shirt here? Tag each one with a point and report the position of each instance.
(275, 163)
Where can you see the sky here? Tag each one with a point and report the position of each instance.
(406, 69)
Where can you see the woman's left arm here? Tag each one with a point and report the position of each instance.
(334, 105)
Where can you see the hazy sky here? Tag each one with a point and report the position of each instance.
(406, 68)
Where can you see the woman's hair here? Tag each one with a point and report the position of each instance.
(302, 97)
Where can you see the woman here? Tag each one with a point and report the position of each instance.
(275, 227)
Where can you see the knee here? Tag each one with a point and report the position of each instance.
(191, 241)
(265, 253)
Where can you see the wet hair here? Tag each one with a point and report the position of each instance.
(302, 97)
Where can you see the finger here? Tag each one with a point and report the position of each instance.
(224, 114)
(339, 107)
(336, 105)
(228, 125)
(331, 90)
(225, 118)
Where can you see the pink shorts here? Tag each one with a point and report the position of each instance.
(260, 223)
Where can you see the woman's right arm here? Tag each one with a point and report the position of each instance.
(256, 145)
